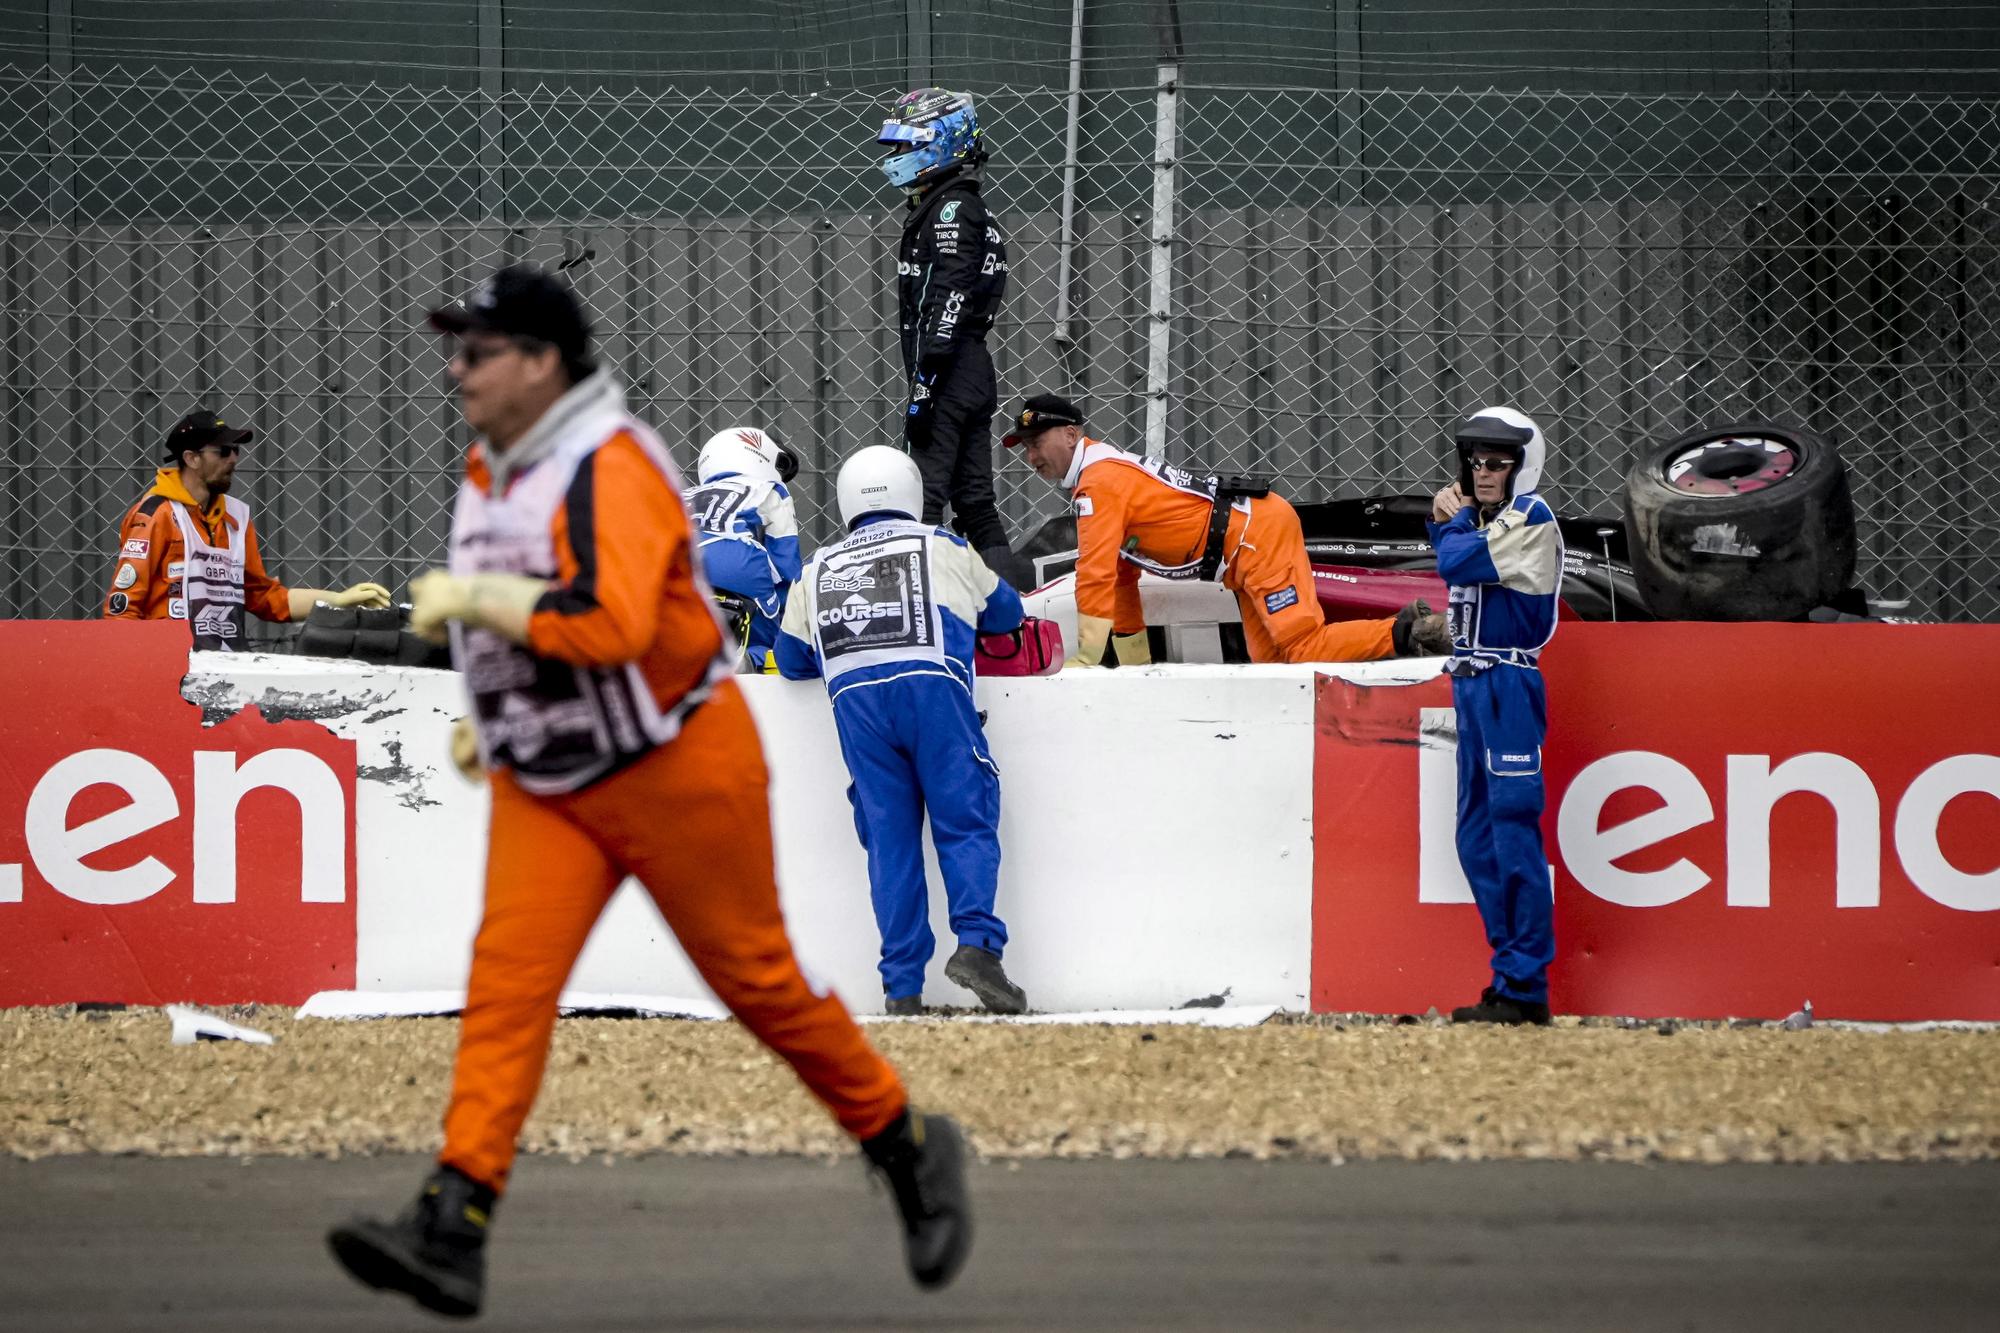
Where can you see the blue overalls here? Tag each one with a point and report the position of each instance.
(1504, 577)
(749, 544)
(889, 615)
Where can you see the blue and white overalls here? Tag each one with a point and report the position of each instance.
(1504, 574)
(749, 544)
(889, 615)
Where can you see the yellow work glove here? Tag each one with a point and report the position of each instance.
(1133, 649)
(465, 750)
(498, 602)
(372, 595)
(1092, 632)
(302, 600)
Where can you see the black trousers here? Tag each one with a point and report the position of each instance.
(957, 460)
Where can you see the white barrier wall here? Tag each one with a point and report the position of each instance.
(1156, 832)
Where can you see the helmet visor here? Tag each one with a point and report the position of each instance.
(895, 131)
(1491, 433)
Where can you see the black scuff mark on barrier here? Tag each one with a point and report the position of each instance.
(1225, 735)
(400, 773)
(385, 714)
(1210, 1001)
(220, 700)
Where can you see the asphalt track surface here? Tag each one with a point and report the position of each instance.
(105, 1243)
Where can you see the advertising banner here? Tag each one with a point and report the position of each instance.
(147, 858)
(1740, 818)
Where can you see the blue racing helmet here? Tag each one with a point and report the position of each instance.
(944, 128)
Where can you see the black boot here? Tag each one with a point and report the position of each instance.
(979, 971)
(434, 1251)
(1493, 1007)
(923, 1159)
(903, 1006)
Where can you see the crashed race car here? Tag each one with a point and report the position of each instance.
(1745, 521)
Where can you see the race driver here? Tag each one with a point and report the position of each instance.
(951, 273)
(618, 745)
(1136, 516)
(188, 549)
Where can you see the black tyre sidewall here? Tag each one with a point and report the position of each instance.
(1801, 528)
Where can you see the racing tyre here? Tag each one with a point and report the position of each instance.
(1749, 521)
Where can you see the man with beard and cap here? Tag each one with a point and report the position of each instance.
(951, 273)
(614, 741)
(188, 549)
(1501, 554)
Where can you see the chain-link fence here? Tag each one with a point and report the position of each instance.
(1349, 272)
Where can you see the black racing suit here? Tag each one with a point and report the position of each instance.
(951, 271)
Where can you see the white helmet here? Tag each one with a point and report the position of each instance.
(747, 451)
(879, 480)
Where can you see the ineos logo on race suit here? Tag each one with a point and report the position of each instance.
(954, 306)
(909, 270)
(876, 600)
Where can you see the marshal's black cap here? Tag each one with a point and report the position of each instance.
(1038, 414)
(520, 301)
(201, 427)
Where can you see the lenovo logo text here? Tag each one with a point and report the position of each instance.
(1753, 785)
(58, 849)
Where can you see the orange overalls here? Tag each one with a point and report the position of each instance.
(619, 745)
(1132, 516)
(146, 585)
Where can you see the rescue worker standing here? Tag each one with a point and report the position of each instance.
(1136, 516)
(889, 615)
(618, 744)
(1501, 553)
(188, 549)
(951, 273)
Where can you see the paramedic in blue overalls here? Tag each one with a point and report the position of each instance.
(1501, 554)
(748, 526)
(888, 615)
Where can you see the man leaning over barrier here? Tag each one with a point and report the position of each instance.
(188, 549)
(888, 615)
(1137, 516)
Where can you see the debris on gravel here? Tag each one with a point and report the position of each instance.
(1327, 1087)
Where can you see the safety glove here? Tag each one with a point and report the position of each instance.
(921, 415)
(1092, 633)
(1134, 649)
(498, 602)
(302, 600)
(1420, 631)
(465, 750)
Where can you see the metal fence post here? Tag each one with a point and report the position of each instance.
(62, 118)
(492, 119)
(1350, 145)
(920, 43)
(1160, 291)
(1066, 261)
